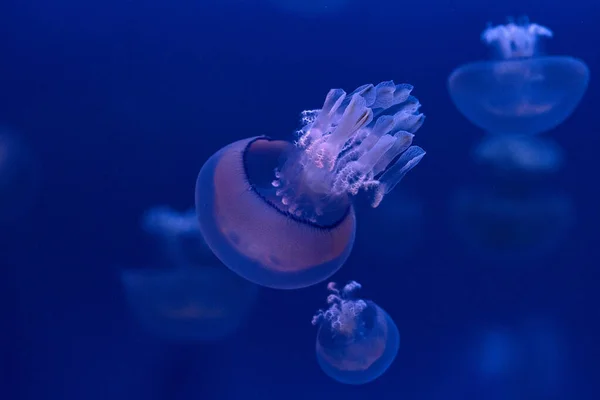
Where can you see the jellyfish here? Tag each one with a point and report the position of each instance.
(280, 214)
(357, 341)
(523, 91)
(523, 359)
(178, 236)
(205, 303)
(192, 296)
(519, 157)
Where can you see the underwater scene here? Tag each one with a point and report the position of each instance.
(299, 200)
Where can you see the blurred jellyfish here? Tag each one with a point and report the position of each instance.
(194, 304)
(519, 157)
(523, 91)
(196, 298)
(501, 225)
(524, 360)
(178, 236)
(295, 227)
(17, 177)
(520, 361)
(357, 340)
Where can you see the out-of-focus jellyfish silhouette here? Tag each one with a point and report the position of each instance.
(522, 91)
(524, 360)
(519, 158)
(295, 227)
(357, 340)
(195, 298)
(178, 236)
(18, 177)
(527, 359)
(516, 217)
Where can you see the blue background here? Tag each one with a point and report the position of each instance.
(122, 102)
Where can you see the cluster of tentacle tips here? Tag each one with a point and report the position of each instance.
(359, 141)
(515, 39)
(344, 310)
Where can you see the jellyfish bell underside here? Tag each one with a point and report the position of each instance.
(189, 304)
(362, 356)
(247, 228)
(519, 96)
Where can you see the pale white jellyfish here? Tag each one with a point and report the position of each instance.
(522, 91)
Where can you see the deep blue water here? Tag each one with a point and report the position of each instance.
(121, 104)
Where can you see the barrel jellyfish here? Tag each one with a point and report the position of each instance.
(523, 91)
(357, 340)
(189, 298)
(279, 214)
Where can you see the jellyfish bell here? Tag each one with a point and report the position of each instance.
(189, 304)
(252, 234)
(357, 340)
(522, 91)
(280, 214)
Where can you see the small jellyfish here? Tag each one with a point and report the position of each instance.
(280, 214)
(523, 91)
(357, 340)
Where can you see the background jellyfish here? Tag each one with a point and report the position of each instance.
(522, 91)
(526, 359)
(357, 340)
(516, 215)
(295, 227)
(519, 157)
(178, 236)
(196, 298)
(17, 177)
